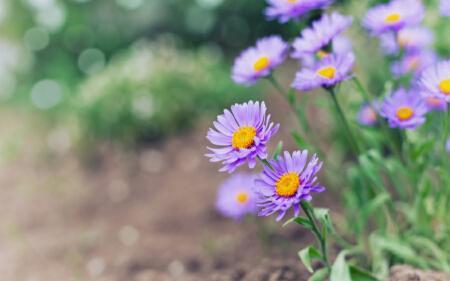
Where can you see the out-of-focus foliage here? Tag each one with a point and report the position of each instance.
(154, 89)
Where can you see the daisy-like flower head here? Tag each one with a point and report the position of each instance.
(405, 110)
(367, 114)
(285, 10)
(393, 16)
(435, 80)
(241, 135)
(258, 61)
(411, 39)
(414, 62)
(326, 73)
(444, 7)
(290, 180)
(236, 197)
(314, 40)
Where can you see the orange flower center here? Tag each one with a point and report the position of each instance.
(434, 101)
(288, 184)
(405, 113)
(393, 18)
(261, 64)
(242, 197)
(243, 137)
(327, 72)
(444, 86)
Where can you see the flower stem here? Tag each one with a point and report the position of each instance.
(350, 136)
(320, 238)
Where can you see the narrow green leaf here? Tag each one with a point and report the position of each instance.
(323, 215)
(319, 275)
(359, 274)
(278, 149)
(299, 220)
(307, 255)
(340, 270)
(301, 144)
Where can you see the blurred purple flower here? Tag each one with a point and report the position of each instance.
(393, 16)
(414, 62)
(367, 115)
(405, 110)
(411, 39)
(242, 135)
(328, 72)
(285, 10)
(236, 197)
(435, 80)
(447, 146)
(314, 41)
(259, 61)
(444, 7)
(341, 45)
(434, 103)
(290, 180)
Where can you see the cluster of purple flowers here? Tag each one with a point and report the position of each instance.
(242, 135)
(397, 24)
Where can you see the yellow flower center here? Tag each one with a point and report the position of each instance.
(393, 18)
(444, 86)
(261, 64)
(327, 72)
(403, 40)
(322, 54)
(291, 1)
(287, 185)
(405, 113)
(242, 197)
(243, 137)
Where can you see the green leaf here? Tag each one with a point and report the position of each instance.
(323, 215)
(375, 204)
(399, 249)
(278, 149)
(307, 255)
(319, 275)
(301, 221)
(340, 270)
(301, 144)
(359, 274)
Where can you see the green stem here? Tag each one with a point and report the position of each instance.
(322, 240)
(365, 95)
(344, 121)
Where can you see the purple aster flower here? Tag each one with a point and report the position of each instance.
(285, 10)
(447, 146)
(315, 39)
(326, 73)
(444, 7)
(236, 197)
(414, 62)
(434, 103)
(259, 61)
(393, 16)
(290, 180)
(411, 39)
(435, 80)
(242, 135)
(367, 115)
(403, 109)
